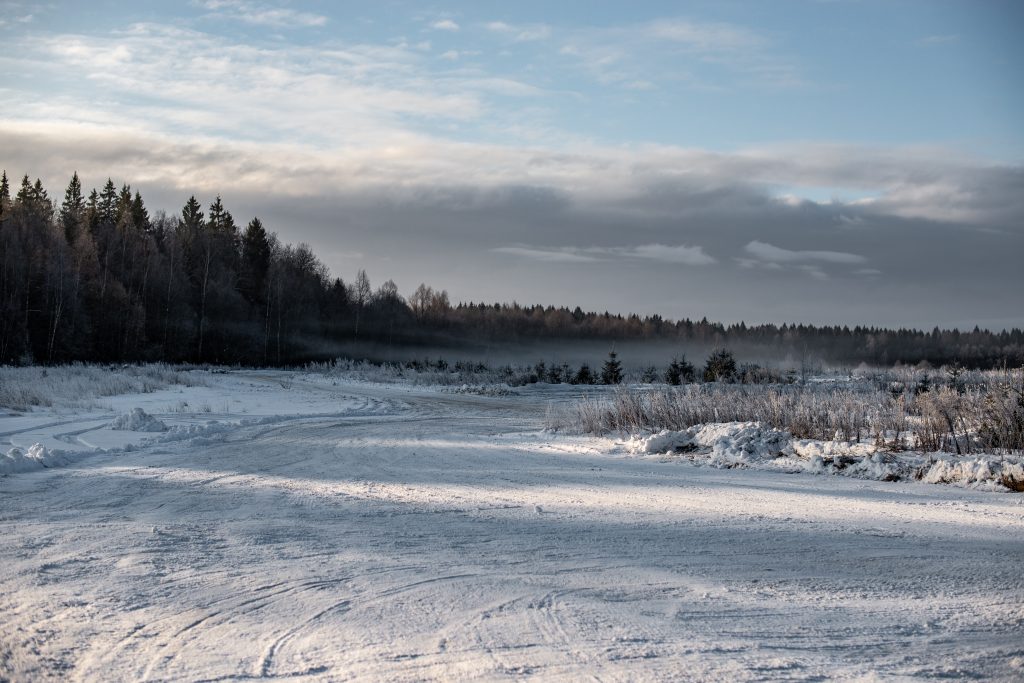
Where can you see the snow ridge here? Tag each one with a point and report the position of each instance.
(757, 446)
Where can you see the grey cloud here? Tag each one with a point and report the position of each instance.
(565, 255)
(769, 252)
(678, 254)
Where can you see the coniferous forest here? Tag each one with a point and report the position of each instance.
(94, 276)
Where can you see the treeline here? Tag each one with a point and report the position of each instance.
(96, 277)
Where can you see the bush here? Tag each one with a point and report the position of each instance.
(680, 371)
(720, 367)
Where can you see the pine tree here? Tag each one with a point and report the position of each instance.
(679, 371)
(140, 215)
(72, 210)
(24, 196)
(39, 194)
(124, 206)
(583, 375)
(5, 194)
(191, 219)
(215, 221)
(255, 260)
(108, 203)
(611, 371)
(649, 375)
(92, 211)
(720, 366)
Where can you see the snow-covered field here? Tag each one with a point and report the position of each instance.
(270, 524)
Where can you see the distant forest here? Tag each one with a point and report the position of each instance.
(98, 278)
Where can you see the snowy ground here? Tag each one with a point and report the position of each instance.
(352, 531)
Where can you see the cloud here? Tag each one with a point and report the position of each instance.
(520, 33)
(261, 14)
(698, 51)
(703, 37)
(562, 255)
(445, 25)
(809, 262)
(680, 254)
(763, 251)
(23, 19)
(355, 147)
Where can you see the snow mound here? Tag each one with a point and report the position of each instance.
(751, 444)
(482, 390)
(138, 420)
(726, 444)
(36, 458)
(980, 472)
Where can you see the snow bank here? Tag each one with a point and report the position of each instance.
(36, 458)
(482, 390)
(725, 444)
(981, 472)
(751, 444)
(138, 420)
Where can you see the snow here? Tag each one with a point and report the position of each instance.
(35, 458)
(752, 445)
(138, 420)
(289, 525)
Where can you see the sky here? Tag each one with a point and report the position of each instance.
(820, 161)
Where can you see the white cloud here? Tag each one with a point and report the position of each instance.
(262, 14)
(445, 25)
(703, 37)
(636, 53)
(681, 254)
(450, 55)
(520, 33)
(356, 116)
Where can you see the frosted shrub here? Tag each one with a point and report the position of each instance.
(982, 413)
(80, 385)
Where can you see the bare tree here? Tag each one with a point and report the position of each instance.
(361, 296)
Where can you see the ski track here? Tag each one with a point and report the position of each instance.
(429, 536)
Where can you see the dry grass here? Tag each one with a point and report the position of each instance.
(80, 385)
(984, 415)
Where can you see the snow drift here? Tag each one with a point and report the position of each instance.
(35, 458)
(138, 420)
(757, 446)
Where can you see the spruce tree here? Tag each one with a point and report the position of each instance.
(92, 211)
(5, 194)
(611, 371)
(720, 366)
(108, 203)
(191, 219)
(679, 371)
(72, 210)
(140, 215)
(255, 260)
(583, 375)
